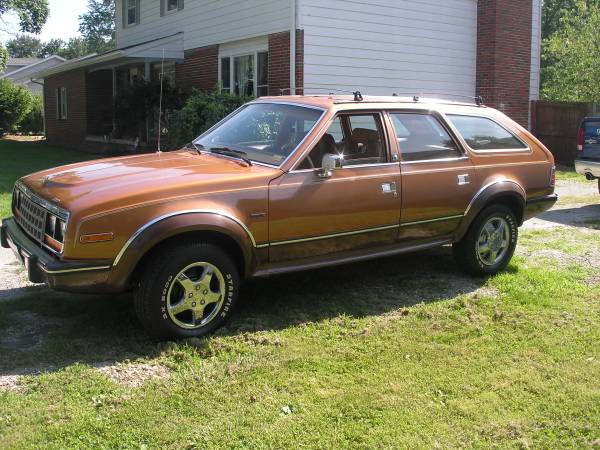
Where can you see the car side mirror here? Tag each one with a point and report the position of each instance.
(329, 164)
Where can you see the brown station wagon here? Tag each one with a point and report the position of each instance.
(283, 184)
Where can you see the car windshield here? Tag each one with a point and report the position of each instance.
(265, 132)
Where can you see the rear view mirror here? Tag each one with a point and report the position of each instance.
(329, 164)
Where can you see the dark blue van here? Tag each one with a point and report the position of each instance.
(588, 146)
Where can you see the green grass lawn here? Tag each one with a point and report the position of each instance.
(18, 158)
(569, 174)
(404, 352)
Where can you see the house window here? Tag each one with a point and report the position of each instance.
(246, 74)
(172, 5)
(131, 12)
(169, 72)
(61, 103)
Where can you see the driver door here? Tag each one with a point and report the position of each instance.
(355, 207)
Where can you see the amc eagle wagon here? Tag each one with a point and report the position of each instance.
(283, 184)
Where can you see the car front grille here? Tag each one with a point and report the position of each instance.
(30, 216)
(33, 214)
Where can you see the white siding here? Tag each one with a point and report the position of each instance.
(206, 22)
(390, 46)
(536, 50)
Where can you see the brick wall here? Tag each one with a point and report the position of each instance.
(200, 69)
(279, 63)
(504, 29)
(72, 131)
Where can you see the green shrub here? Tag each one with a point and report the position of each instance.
(33, 122)
(136, 108)
(15, 104)
(200, 112)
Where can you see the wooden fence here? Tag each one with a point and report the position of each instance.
(556, 125)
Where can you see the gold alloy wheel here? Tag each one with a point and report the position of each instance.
(493, 241)
(196, 295)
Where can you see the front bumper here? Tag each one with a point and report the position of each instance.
(588, 167)
(539, 205)
(72, 276)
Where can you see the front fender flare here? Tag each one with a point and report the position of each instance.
(178, 223)
(485, 196)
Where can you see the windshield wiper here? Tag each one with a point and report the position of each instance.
(226, 151)
(194, 146)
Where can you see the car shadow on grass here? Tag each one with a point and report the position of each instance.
(587, 216)
(42, 330)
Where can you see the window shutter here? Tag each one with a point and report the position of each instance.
(179, 5)
(163, 7)
(58, 103)
(137, 12)
(65, 102)
(124, 13)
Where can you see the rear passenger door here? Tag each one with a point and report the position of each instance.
(438, 180)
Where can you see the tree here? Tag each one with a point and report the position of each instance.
(74, 48)
(24, 46)
(97, 25)
(52, 47)
(555, 12)
(32, 17)
(571, 57)
(15, 104)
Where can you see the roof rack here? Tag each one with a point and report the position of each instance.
(478, 100)
(398, 97)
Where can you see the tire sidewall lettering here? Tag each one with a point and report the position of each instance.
(226, 308)
(513, 236)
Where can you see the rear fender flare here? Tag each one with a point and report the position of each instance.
(486, 196)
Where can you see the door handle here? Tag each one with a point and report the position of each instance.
(388, 188)
(464, 179)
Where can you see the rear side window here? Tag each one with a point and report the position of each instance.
(482, 133)
(422, 137)
(592, 129)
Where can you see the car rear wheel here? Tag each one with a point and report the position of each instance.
(188, 290)
(490, 242)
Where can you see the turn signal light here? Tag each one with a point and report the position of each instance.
(95, 238)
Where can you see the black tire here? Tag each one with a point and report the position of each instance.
(158, 280)
(466, 251)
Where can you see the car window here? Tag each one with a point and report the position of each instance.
(422, 137)
(332, 142)
(266, 132)
(482, 133)
(358, 137)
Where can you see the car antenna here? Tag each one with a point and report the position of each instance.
(162, 73)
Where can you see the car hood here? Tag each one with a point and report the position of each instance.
(122, 182)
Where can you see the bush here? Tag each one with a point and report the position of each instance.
(136, 109)
(201, 111)
(33, 122)
(15, 104)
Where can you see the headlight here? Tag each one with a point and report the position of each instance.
(55, 229)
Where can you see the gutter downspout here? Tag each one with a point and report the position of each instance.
(293, 48)
(33, 80)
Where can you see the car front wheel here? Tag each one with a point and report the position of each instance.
(188, 290)
(490, 242)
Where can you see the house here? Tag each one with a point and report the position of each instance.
(20, 70)
(455, 48)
